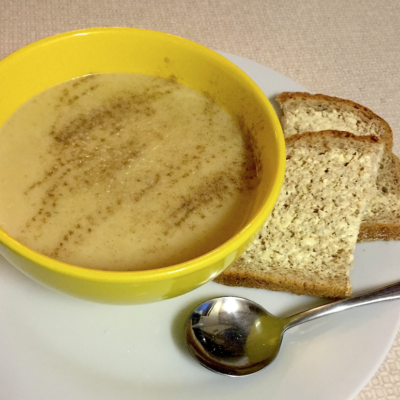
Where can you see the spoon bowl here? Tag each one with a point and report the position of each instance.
(233, 336)
(237, 337)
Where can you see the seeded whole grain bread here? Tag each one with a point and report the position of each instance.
(307, 244)
(304, 112)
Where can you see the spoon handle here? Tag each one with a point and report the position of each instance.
(390, 292)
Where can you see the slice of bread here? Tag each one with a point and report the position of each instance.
(307, 244)
(304, 112)
(381, 220)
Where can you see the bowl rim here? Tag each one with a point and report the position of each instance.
(198, 263)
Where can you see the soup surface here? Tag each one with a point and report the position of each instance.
(124, 172)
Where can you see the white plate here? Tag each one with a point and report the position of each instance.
(56, 347)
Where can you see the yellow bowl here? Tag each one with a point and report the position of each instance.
(47, 62)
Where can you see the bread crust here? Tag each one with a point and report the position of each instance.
(376, 232)
(279, 283)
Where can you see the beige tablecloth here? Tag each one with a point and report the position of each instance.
(345, 48)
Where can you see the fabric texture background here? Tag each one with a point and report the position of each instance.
(349, 49)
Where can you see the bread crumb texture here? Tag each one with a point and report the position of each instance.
(307, 244)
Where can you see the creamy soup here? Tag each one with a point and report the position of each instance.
(124, 172)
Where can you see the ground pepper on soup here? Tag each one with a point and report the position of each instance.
(124, 172)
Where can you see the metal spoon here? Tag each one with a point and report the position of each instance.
(235, 336)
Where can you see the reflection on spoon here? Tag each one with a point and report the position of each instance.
(235, 336)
